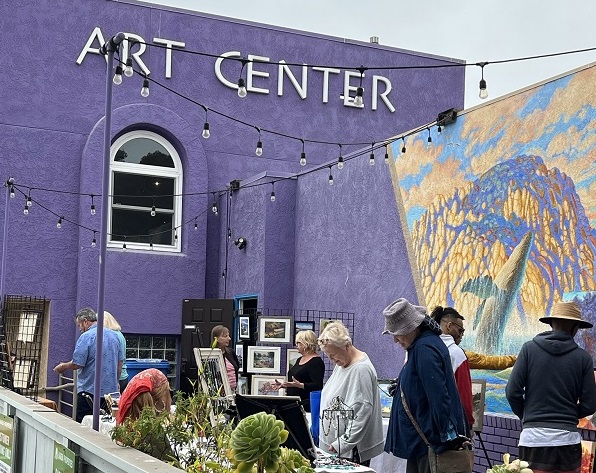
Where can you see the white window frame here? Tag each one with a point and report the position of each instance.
(160, 171)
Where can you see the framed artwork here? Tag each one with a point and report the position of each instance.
(274, 329)
(478, 402)
(243, 328)
(213, 379)
(323, 323)
(292, 356)
(300, 325)
(588, 450)
(263, 359)
(240, 355)
(386, 399)
(264, 385)
(242, 386)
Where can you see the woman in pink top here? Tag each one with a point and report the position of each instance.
(221, 335)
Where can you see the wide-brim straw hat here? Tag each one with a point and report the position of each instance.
(566, 311)
(401, 317)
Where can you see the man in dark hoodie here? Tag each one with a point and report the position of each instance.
(551, 387)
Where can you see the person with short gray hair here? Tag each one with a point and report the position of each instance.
(83, 359)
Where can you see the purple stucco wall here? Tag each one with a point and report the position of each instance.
(320, 247)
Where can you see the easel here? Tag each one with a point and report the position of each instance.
(477, 432)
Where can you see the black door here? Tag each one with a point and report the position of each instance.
(199, 316)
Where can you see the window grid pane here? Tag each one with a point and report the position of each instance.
(147, 346)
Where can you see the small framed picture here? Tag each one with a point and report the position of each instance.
(274, 329)
(265, 385)
(263, 359)
(478, 399)
(300, 325)
(243, 328)
(322, 324)
(386, 399)
(240, 355)
(242, 386)
(292, 356)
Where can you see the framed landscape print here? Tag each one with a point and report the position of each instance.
(263, 359)
(240, 355)
(386, 399)
(478, 400)
(322, 324)
(274, 329)
(300, 325)
(292, 356)
(243, 328)
(242, 387)
(264, 385)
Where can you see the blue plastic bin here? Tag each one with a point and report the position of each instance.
(136, 365)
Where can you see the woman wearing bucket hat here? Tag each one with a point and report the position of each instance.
(550, 388)
(427, 418)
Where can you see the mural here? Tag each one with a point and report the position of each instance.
(501, 214)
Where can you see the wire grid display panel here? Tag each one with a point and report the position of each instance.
(319, 317)
(21, 344)
(161, 347)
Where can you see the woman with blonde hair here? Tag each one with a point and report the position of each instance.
(109, 321)
(306, 375)
(352, 386)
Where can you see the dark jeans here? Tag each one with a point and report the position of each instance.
(85, 405)
(418, 465)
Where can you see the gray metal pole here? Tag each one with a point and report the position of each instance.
(9, 184)
(109, 48)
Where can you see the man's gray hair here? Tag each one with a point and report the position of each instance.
(86, 314)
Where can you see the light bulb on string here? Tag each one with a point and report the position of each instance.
(124, 243)
(387, 154)
(302, 155)
(12, 194)
(483, 94)
(272, 192)
(330, 177)
(439, 129)
(26, 210)
(145, 88)
(371, 159)
(153, 211)
(29, 201)
(59, 224)
(151, 243)
(429, 139)
(358, 100)
(214, 208)
(196, 224)
(94, 241)
(229, 233)
(206, 133)
(403, 147)
(118, 75)
(128, 70)
(241, 84)
(340, 160)
(259, 150)
(175, 234)
(92, 210)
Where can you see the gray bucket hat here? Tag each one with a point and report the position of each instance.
(401, 317)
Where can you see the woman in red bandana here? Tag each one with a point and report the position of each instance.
(149, 388)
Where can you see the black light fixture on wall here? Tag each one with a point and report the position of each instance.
(240, 242)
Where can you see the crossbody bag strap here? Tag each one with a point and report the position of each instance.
(414, 423)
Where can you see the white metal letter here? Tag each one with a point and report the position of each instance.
(219, 75)
(169, 43)
(250, 72)
(283, 68)
(348, 100)
(383, 95)
(136, 56)
(326, 71)
(96, 34)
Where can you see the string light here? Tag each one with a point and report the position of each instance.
(429, 139)
(175, 235)
(330, 177)
(59, 224)
(145, 88)
(196, 225)
(214, 208)
(358, 101)
(118, 75)
(151, 243)
(387, 154)
(439, 129)
(124, 243)
(26, 209)
(259, 150)
(29, 200)
(403, 148)
(302, 155)
(229, 233)
(241, 84)
(12, 194)
(92, 210)
(128, 70)
(153, 211)
(371, 159)
(206, 133)
(94, 241)
(483, 92)
(340, 160)
(272, 192)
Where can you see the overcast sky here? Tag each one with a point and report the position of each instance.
(474, 31)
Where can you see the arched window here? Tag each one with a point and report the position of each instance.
(146, 193)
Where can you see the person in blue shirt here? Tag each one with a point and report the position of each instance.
(83, 359)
